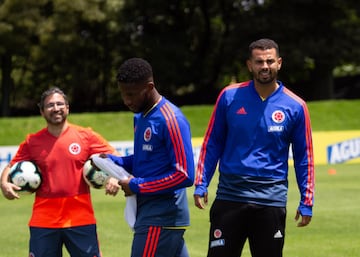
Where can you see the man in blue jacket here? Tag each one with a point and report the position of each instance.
(249, 133)
(162, 165)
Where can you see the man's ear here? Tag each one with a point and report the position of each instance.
(150, 85)
(248, 64)
(279, 63)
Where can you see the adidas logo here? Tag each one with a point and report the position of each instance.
(278, 234)
(241, 111)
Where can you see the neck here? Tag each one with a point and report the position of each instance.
(57, 129)
(265, 90)
(156, 102)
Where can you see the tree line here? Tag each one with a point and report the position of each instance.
(196, 47)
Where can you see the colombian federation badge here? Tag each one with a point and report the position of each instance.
(74, 148)
(278, 116)
(147, 134)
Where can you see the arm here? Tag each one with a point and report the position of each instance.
(211, 150)
(302, 148)
(99, 146)
(113, 184)
(176, 167)
(124, 161)
(8, 189)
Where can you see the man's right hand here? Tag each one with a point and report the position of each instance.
(9, 190)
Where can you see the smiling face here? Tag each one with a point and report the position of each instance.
(55, 109)
(264, 65)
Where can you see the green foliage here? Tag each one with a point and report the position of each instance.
(193, 47)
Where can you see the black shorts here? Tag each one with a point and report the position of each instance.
(232, 223)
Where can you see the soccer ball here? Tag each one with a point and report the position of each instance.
(25, 174)
(93, 176)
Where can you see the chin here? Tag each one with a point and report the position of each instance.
(266, 81)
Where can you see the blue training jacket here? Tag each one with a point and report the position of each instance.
(162, 164)
(251, 138)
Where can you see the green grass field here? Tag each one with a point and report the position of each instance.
(333, 232)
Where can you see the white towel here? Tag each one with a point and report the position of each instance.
(107, 165)
(119, 173)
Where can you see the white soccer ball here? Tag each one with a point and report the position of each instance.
(26, 175)
(93, 176)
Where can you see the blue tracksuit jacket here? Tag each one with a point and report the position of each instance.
(250, 140)
(162, 164)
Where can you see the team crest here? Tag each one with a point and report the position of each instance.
(147, 134)
(74, 148)
(218, 241)
(217, 233)
(278, 116)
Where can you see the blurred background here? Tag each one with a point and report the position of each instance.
(196, 47)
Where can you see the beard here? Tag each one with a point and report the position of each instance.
(265, 78)
(56, 118)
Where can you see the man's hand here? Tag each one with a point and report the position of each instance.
(124, 183)
(305, 220)
(198, 201)
(112, 187)
(9, 190)
(103, 155)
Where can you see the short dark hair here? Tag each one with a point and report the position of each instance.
(264, 44)
(134, 70)
(51, 91)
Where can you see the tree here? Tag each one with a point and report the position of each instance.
(196, 47)
(56, 43)
(203, 43)
(17, 26)
(316, 36)
(75, 54)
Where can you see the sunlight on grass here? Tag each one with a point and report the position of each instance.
(114, 126)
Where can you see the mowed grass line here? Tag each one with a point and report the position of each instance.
(114, 126)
